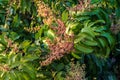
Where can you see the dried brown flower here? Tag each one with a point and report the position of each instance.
(62, 45)
(45, 12)
(83, 4)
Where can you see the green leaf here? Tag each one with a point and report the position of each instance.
(107, 52)
(83, 48)
(10, 58)
(16, 20)
(75, 55)
(101, 28)
(6, 76)
(89, 31)
(18, 75)
(117, 12)
(23, 4)
(82, 18)
(65, 16)
(95, 1)
(110, 38)
(14, 36)
(28, 5)
(25, 44)
(2, 40)
(106, 16)
(93, 23)
(15, 64)
(90, 42)
(15, 58)
(86, 23)
(12, 77)
(97, 62)
(59, 76)
(2, 48)
(26, 76)
(13, 73)
(71, 25)
(60, 66)
(3, 58)
(1, 1)
(30, 57)
(79, 37)
(39, 34)
(29, 69)
(50, 34)
(103, 42)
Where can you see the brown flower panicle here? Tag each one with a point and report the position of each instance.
(83, 4)
(45, 12)
(62, 45)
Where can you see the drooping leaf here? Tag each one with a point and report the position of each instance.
(75, 56)
(110, 38)
(83, 48)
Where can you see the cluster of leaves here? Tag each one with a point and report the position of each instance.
(91, 25)
(23, 34)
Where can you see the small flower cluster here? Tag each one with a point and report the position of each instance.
(10, 45)
(115, 28)
(4, 68)
(63, 44)
(32, 29)
(45, 12)
(76, 72)
(60, 28)
(83, 4)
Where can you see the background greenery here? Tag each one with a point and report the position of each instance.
(95, 25)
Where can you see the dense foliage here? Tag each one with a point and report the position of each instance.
(59, 39)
